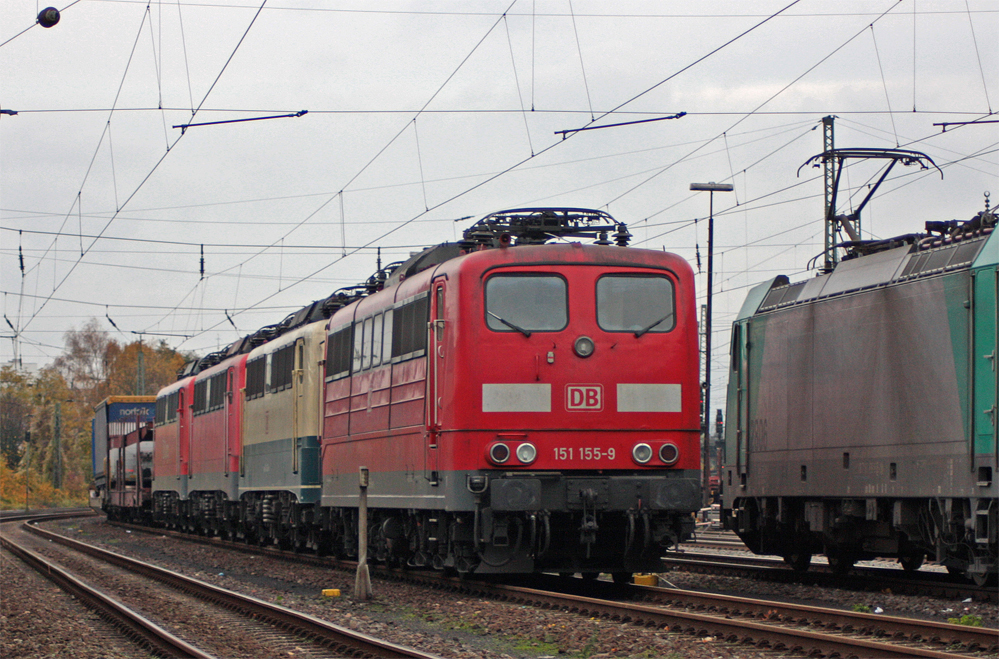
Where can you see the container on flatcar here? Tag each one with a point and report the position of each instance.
(130, 474)
(114, 416)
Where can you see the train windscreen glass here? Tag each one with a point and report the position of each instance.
(635, 303)
(526, 303)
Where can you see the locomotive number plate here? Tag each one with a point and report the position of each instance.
(586, 453)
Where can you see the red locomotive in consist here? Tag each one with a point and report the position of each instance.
(519, 405)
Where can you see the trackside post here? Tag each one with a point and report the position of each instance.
(362, 582)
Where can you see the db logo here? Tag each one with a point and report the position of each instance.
(588, 397)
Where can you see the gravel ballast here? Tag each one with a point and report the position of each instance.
(449, 624)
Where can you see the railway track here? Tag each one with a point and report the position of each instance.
(287, 627)
(938, 584)
(787, 628)
(132, 624)
(42, 515)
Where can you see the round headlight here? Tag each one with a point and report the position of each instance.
(499, 453)
(642, 453)
(669, 453)
(526, 453)
(584, 346)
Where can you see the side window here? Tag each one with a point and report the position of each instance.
(376, 341)
(736, 347)
(409, 329)
(216, 391)
(200, 396)
(161, 407)
(439, 315)
(357, 359)
(282, 364)
(388, 317)
(255, 377)
(338, 349)
(401, 338)
(421, 314)
(368, 343)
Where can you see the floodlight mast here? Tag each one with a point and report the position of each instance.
(711, 188)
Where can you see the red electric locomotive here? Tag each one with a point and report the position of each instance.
(198, 443)
(519, 406)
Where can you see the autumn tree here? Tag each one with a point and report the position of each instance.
(15, 411)
(57, 407)
(141, 369)
(84, 364)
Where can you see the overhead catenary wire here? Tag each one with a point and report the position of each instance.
(978, 54)
(761, 105)
(155, 166)
(359, 216)
(884, 83)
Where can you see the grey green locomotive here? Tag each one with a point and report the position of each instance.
(862, 407)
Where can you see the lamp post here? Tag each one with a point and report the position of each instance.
(710, 188)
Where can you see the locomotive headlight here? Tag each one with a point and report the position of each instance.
(669, 453)
(526, 453)
(584, 346)
(499, 453)
(642, 453)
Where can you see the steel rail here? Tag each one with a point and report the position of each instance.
(722, 625)
(41, 516)
(133, 624)
(864, 578)
(973, 638)
(338, 638)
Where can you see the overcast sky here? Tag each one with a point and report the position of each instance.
(421, 113)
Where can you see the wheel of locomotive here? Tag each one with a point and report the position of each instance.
(799, 560)
(983, 579)
(300, 539)
(590, 576)
(839, 562)
(621, 578)
(911, 562)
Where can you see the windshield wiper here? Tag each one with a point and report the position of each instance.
(640, 332)
(514, 327)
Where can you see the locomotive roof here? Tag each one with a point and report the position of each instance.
(520, 226)
(958, 246)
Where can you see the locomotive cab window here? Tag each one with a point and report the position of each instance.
(526, 303)
(635, 303)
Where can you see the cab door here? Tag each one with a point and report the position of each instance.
(299, 404)
(985, 405)
(436, 372)
(232, 407)
(740, 358)
(183, 439)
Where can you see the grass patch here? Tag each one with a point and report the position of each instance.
(970, 621)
